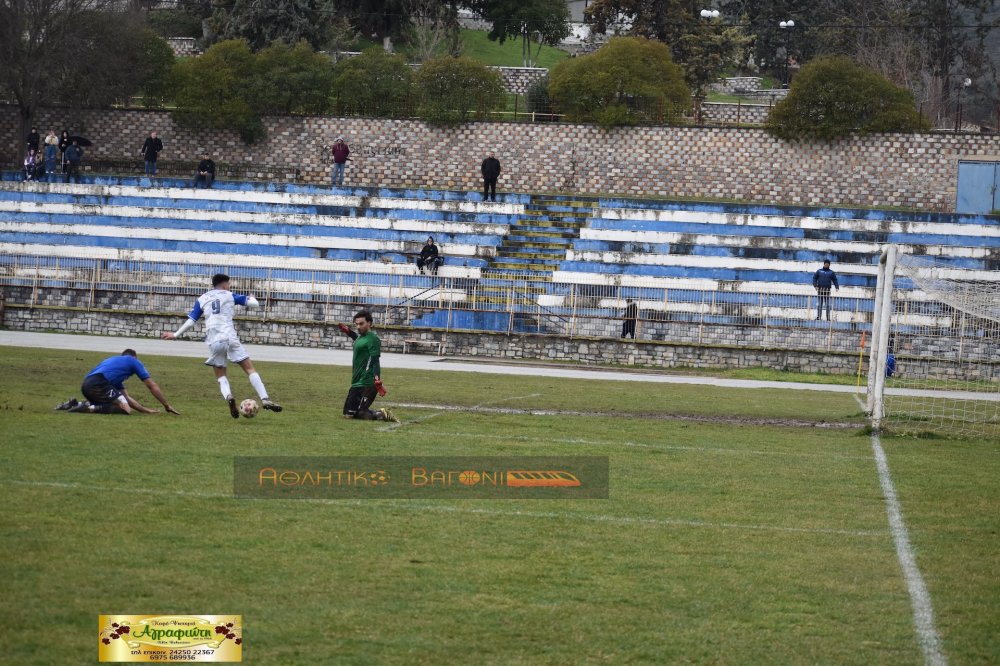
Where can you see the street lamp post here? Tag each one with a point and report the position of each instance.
(961, 94)
(699, 98)
(786, 25)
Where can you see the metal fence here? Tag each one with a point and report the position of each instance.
(782, 316)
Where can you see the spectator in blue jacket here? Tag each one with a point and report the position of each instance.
(822, 280)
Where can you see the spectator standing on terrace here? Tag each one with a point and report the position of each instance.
(34, 140)
(429, 257)
(73, 155)
(51, 151)
(150, 150)
(822, 280)
(206, 172)
(341, 153)
(64, 144)
(631, 316)
(491, 172)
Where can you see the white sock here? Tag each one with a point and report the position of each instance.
(224, 387)
(258, 385)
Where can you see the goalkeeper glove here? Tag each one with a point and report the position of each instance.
(378, 387)
(346, 331)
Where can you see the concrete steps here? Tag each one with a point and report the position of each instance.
(535, 246)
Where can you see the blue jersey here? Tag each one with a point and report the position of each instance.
(119, 368)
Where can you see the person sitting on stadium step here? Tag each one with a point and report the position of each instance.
(429, 257)
(206, 172)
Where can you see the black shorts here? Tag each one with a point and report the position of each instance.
(99, 391)
(359, 399)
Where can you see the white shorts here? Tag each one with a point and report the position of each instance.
(224, 349)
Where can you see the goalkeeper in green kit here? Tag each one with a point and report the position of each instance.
(366, 383)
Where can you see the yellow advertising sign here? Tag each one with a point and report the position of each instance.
(175, 638)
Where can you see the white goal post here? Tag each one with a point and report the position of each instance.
(934, 363)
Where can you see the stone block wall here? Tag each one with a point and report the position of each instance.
(519, 79)
(184, 47)
(588, 351)
(893, 170)
(736, 85)
(303, 323)
(734, 114)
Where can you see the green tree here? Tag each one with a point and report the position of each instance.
(454, 90)
(708, 51)
(141, 61)
(629, 80)
(663, 20)
(433, 28)
(537, 97)
(929, 46)
(231, 87)
(186, 18)
(219, 89)
(156, 58)
(294, 79)
(546, 20)
(262, 23)
(374, 83)
(834, 97)
(703, 48)
(384, 20)
(74, 52)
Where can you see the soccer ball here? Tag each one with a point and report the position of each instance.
(249, 408)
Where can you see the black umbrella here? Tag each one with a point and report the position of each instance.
(82, 141)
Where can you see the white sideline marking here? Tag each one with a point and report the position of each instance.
(446, 508)
(920, 598)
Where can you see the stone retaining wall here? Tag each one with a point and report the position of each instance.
(588, 351)
(313, 324)
(891, 170)
(734, 114)
(736, 85)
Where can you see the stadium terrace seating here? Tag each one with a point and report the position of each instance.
(745, 252)
(682, 261)
(258, 227)
(965, 241)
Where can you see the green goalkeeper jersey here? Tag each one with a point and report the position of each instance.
(367, 349)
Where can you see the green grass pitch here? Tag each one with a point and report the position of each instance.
(728, 536)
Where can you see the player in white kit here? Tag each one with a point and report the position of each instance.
(218, 306)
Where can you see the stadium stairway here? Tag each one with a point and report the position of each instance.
(535, 245)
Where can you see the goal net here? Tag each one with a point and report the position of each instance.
(935, 332)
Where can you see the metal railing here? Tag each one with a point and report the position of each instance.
(782, 316)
